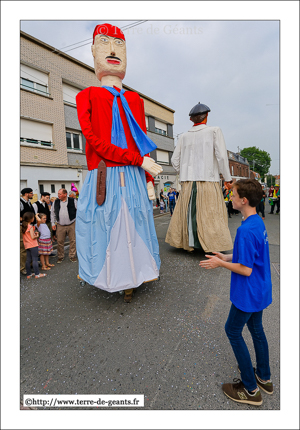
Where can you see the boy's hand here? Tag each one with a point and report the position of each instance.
(220, 256)
(212, 262)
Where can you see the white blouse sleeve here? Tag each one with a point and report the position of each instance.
(221, 154)
(175, 160)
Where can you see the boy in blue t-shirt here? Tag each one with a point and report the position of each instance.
(250, 294)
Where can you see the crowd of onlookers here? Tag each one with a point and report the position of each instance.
(42, 223)
(273, 194)
(167, 201)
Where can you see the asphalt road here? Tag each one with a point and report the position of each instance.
(168, 344)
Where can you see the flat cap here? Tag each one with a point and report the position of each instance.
(199, 109)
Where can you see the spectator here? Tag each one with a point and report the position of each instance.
(25, 206)
(161, 194)
(42, 207)
(72, 194)
(50, 206)
(162, 205)
(250, 294)
(171, 200)
(63, 216)
(44, 241)
(261, 205)
(271, 191)
(31, 245)
(275, 200)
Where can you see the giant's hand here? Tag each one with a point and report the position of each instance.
(151, 167)
(150, 189)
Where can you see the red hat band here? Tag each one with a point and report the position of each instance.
(108, 30)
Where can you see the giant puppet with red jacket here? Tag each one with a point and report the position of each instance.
(116, 241)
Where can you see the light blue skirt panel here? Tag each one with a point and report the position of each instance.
(116, 243)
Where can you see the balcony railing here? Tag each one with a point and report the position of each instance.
(37, 142)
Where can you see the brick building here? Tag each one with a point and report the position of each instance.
(238, 166)
(52, 147)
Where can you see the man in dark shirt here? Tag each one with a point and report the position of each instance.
(41, 206)
(25, 206)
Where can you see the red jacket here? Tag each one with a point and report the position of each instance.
(94, 109)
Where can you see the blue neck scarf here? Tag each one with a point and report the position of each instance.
(118, 138)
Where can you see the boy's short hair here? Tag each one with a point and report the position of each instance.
(251, 189)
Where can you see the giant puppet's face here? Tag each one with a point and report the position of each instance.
(109, 56)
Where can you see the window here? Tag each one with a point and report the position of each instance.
(63, 186)
(41, 188)
(74, 140)
(161, 127)
(70, 93)
(147, 122)
(162, 156)
(34, 80)
(52, 188)
(36, 133)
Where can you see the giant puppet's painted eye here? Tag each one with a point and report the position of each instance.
(119, 42)
(104, 39)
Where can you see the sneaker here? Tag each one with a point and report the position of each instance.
(74, 260)
(60, 260)
(238, 393)
(267, 387)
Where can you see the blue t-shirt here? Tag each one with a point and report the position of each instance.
(171, 195)
(251, 248)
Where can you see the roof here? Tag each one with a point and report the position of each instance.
(86, 66)
(237, 157)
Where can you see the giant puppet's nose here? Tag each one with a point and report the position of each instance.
(112, 48)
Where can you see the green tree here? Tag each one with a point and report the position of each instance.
(262, 159)
(271, 180)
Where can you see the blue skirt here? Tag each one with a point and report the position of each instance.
(116, 242)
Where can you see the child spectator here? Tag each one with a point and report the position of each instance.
(31, 245)
(162, 206)
(250, 294)
(44, 241)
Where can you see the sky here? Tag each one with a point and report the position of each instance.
(230, 60)
(230, 65)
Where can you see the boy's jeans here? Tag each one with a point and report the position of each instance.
(233, 328)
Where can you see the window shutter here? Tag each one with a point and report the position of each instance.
(70, 93)
(36, 130)
(34, 75)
